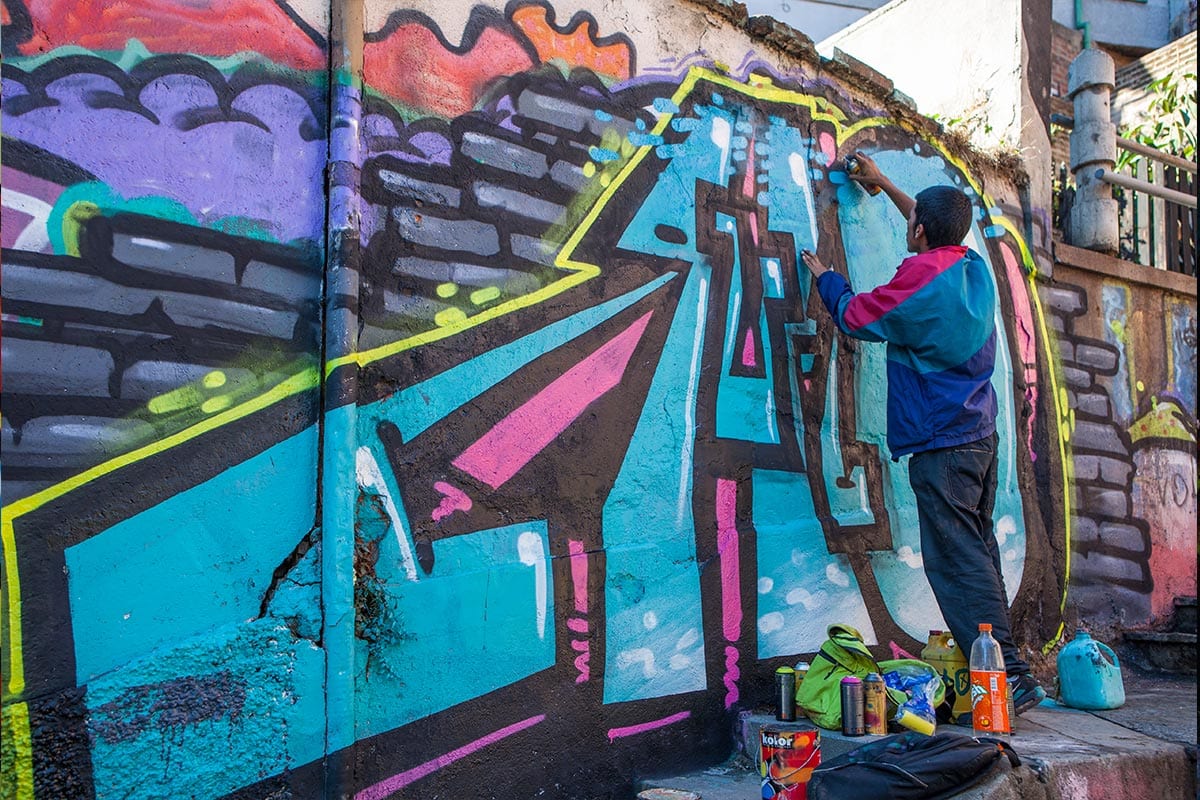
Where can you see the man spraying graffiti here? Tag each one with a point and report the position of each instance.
(937, 315)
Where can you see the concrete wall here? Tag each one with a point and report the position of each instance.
(510, 462)
(1126, 340)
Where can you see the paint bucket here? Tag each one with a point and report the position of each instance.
(789, 756)
(947, 658)
(1089, 675)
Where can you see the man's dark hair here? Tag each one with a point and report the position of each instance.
(946, 214)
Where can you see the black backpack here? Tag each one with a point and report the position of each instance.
(909, 766)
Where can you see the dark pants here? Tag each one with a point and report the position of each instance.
(956, 491)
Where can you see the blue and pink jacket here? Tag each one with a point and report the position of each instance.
(937, 315)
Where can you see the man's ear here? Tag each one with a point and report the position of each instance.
(919, 231)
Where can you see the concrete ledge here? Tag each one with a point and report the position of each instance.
(1066, 754)
(1110, 266)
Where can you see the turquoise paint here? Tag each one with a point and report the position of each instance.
(745, 406)
(200, 559)
(109, 202)
(772, 278)
(213, 713)
(791, 202)
(338, 493)
(654, 625)
(475, 624)
(849, 505)
(802, 587)
(297, 599)
(417, 407)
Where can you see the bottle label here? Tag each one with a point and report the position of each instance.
(989, 701)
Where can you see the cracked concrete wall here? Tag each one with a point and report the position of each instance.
(463, 425)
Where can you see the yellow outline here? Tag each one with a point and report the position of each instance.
(18, 720)
(297, 383)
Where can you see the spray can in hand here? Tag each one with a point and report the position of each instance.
(989, 686)
(853, 167)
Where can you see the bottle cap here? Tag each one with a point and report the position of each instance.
(985, 626)
(851, 679)
(784, 670)
(802, 666)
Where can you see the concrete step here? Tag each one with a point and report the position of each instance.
(1162, 651)
(1185, 615)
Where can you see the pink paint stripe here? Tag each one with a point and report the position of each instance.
(727, 547)
(578, 625)
(501, 452)
(732, 673)
(579, 575)
(633, 730)
(581, 664)
(748, 181)
(397, 782)
(754, 227)
(748, 358)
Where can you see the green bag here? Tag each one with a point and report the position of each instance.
(843, 654)
(820, 695)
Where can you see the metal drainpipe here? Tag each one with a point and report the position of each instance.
(1081, 25)
(339, 388)
(1093, 224)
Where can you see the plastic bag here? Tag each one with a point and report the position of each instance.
(924, 688)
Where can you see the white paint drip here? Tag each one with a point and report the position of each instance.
(837, 575)
(721, 137)
(910, 558)
(640, 655)
(683, 496)
(370, 477)
(765, 585)
(769, 623)
(531, 553)
(801, 597)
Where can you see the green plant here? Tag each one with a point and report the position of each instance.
(1169, 123)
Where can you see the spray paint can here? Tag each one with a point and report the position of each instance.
(874, 705)
(853, 167)
(852, 707)
(785, 694)
(801, 668)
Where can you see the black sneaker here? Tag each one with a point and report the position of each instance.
(1025, 692)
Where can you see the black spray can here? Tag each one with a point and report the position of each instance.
(852, 707)
(785, 694)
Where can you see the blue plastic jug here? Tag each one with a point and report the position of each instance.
(1089, 674)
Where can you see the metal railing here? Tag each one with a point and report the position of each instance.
(1156, 198)
(1148, 217)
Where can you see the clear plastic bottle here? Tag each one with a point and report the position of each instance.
(989, 686)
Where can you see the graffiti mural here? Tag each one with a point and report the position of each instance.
(466, 426)
(1133, 448)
